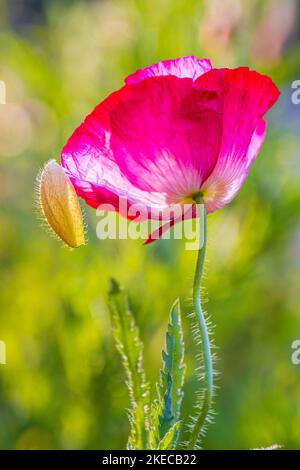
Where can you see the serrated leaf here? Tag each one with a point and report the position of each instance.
(170, 438)
(130, 348)
(166, 409)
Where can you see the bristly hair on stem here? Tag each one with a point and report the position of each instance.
(202, 336)
(158, 427)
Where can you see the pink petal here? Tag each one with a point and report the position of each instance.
(89, 161)
(154, 142)
(156, 234)
(157, 141)
(184, 67)
(246, 97)
(166, 136)
(190, 212)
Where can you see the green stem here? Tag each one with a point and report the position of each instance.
(203, 330)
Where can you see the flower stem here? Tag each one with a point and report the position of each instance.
(204, 334)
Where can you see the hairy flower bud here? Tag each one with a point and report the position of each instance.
(60, 205)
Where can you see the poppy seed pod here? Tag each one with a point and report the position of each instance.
(60, 205)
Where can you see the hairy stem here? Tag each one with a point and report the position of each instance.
(203, 331)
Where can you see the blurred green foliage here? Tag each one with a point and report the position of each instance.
(63, 385)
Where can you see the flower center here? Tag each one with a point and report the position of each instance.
(192, 198)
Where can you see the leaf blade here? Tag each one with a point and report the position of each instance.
(169, 440)
(166, 410)
(130, 347)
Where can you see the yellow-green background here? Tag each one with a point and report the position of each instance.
(63, 385)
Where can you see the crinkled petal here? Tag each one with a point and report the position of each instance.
(157, 141)
(184, 67)
(166, 136)
(154, 142)
(90, 164)
(246, 97)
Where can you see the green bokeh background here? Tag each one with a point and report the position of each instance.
(63, 386)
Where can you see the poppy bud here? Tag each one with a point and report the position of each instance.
(60, 205)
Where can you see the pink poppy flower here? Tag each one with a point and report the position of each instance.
(175, 129)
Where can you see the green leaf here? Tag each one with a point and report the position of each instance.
(170, 438)
(166, 409)
(130, 348)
